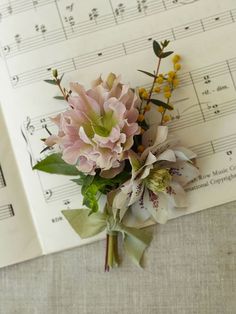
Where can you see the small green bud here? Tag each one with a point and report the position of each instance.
(55, 73)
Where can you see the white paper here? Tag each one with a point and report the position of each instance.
(84, 39)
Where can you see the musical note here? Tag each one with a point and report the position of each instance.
(120, 10)
(14, 80)
(18, 40)
(35, 3)
(71, 21)
(41, 28)
(142, 6)
(207, 79)
(93, 15)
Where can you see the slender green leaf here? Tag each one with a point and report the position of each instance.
(56, 165)
(166, 54)
(157, 48)
(53, 82)
(148, 73)
(59, 97)
(160, 103)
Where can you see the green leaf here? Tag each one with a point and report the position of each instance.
(56, 165)
(165, 43)
(136, 242)
(84, 224)
(160, 103)
(157, 48)
(148, 73)
(53, 82)
(59, 97)
(92, 185)
(166, 54)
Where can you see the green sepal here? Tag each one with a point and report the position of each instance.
(56, 165)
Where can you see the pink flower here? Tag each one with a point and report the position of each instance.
(99, 128)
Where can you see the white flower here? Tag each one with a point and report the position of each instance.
(158, 178)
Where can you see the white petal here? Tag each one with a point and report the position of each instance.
(178, 195)
(168, 155)
(157, 205)
(137, 191)
(184, 153)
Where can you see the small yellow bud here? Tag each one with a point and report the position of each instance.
(171, 74)
(159, 79)
(157, 89)
(145, 95)
(147, 108)
(141, 148)
(166, 88)
(167, 95)
(166, 118)
(161, 109)
(177, 66)
(175, 82)
(140, 117)
(176, 58)
(169, 79)
(141, 91)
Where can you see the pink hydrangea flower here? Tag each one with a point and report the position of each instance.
(99, 128)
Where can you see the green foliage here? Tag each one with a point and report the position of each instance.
(56, 165)
(148, 73)
(52, 82)
(159, 49)
(160, 103)
(93, 185)
(59, 97)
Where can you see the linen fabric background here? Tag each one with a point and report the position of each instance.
(190, 269)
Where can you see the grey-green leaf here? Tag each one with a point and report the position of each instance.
(53, 82)
(86, 225)
(59, 97)
(148, 73)
(166, 54)
(56, 165)
(160, 103)
(157, 48)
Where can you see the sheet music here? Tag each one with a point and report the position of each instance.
(18, 238)
(84, 39)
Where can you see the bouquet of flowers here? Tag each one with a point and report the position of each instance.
(114, 139)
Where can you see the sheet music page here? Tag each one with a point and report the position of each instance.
(84, 39)
(18, 238)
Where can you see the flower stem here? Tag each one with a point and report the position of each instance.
(154, 80)
(112, 258)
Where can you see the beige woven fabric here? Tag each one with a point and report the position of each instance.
(190, 269)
